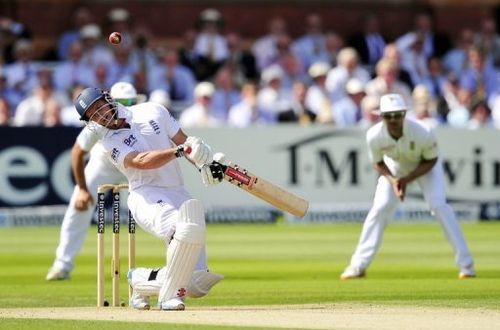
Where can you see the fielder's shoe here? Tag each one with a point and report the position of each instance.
(467, 272)
(174, 304)
(57, 274)
(352, 272)
(201, 283)
(137, 301)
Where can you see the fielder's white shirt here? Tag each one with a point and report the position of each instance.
(151, 128)
(402, 156)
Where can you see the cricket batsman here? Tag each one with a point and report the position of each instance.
(144, 142)
(402, 151)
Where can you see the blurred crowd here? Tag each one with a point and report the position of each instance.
(214, 76)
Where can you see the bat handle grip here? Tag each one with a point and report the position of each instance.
(188, 150)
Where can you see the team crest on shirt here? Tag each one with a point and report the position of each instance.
(130, 141)
(412, 145)
(114, 154)
(155, 126)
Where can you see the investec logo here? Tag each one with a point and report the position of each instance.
(116, 212)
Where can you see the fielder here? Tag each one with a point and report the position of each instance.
(143, 144)
(402, 151)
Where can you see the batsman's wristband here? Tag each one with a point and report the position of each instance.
(180, 151)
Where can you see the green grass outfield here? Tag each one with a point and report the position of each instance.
(267, 264)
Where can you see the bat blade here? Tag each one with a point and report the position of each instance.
(265, 190)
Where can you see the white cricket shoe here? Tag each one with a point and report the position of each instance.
(467, 272)
(201, 283)
(57, 274)
(137, 301)
(173, 304)
(352, 272)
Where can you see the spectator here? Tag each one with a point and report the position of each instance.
(369, 43)
(9, 94)
(293, 70)
(5, 115)
(424, 107)
(142, 58)
(43, 106)
(246, 112)
(413, 58)
(200, 113)
(81, 17)
(73, 71)
(210, 46)
(456, 59)
(187, 55)
(386, 82)
(10, 33)
(348, 67)
(161, 97)
(369, 110)
(348, 109)
(226, 94)
(22, 74)
(392, 53)
(333, 44)
(434, 43)
(480, 78)
(119, 19)
(69, 117)
(480, 116)
(241, 61)
(310, 47)
(436, 79)
(174, 78)
(459, 114)
(274, 101)
(122, 68)
(317, 97)
(488, 40)
(95, 52)
(298, 103)
(265, 48)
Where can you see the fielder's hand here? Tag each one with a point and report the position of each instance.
(200, 153)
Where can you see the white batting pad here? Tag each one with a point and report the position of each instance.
(201, 283)
(184, 250)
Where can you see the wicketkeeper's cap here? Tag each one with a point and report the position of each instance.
(392, 103)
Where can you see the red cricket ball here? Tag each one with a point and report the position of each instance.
(115, 38)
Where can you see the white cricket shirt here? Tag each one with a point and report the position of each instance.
(402, 156)
(151, 128)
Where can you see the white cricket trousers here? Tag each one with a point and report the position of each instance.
(156, 210)
(76, 223)
(384, 205)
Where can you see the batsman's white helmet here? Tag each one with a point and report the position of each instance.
(392, 103)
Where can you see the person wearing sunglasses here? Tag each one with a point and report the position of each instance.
(403, 151)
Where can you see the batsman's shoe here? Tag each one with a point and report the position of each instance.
(57, 274)
(352, 272)
(201, 283)
(173, 304)
(467, 272)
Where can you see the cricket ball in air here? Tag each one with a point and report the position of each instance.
(115, 38)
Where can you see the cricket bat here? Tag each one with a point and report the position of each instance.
(265, 190)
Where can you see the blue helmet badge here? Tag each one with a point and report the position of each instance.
(86, 98)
